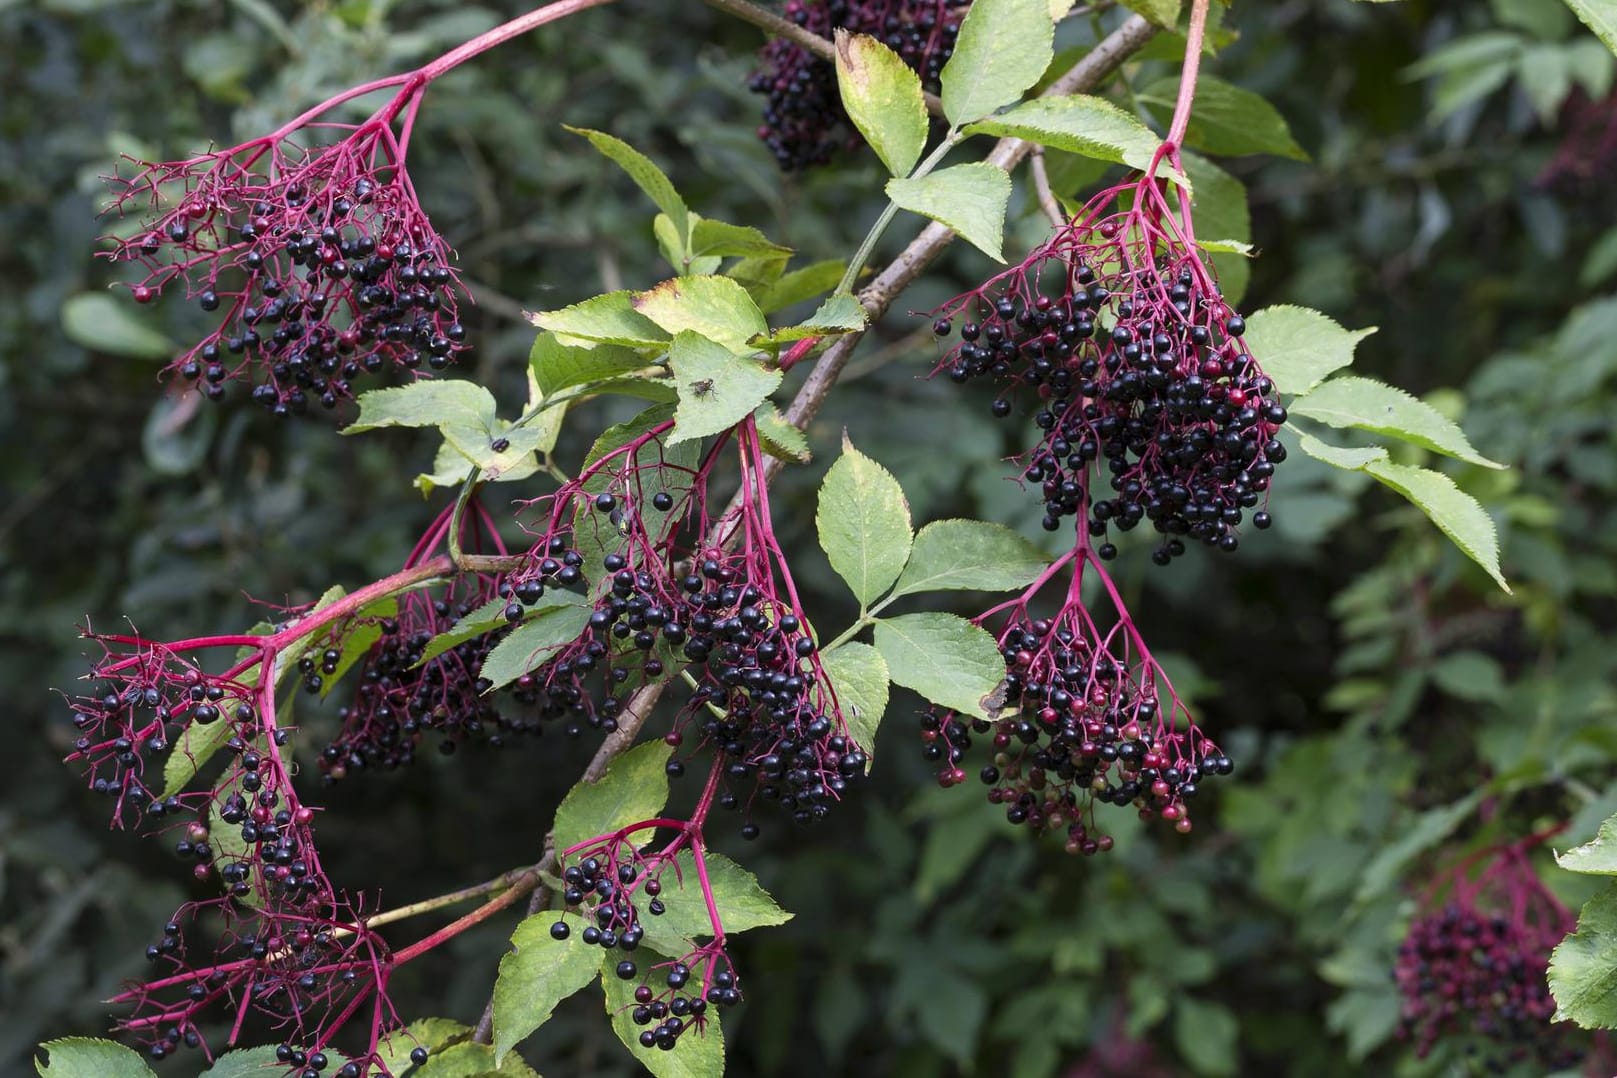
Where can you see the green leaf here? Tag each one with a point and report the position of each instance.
(656, 467)
(464, 406)
(358, 642)
(1457, 514)
(432, 1034)
(1090, 126)
(1220, 205)
(1470, 675)
(1003, 48)
(1596, 857)
(1352, 460)
(1429, 828)
(557, 366)
(883, 97)
(858, 675)
(1583, 969)
(1225, 119)
(801, 285)
(535, 975)
(647, 175)
(840, 313)
(1163, 13)
(944, 657)
(716, 307)
(99, 322)
(609, 318)
(969, 555)
(490, 617)
(717, 388)
(634, 788)
(88, 1057)
(780, 438)
(1351, 401)
(864, 524)
(741, 902)
(248, 1063)
(1298, 347)
(470, 1060)
(719, 238)
(700, 1052)
(532, 642)
(1205, 1034)
(970, 199)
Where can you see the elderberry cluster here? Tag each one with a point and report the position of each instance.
(601, 887)
(321, 270)
(1142, 368)
(804, 123)
(1076, 726)
(1467, 973)
(762, 699)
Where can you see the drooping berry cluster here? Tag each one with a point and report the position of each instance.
(607, 884)
(310, 248)
(1119, 330)
(279, 940)
(1084, 716)
(804, 123)
(1472, 966)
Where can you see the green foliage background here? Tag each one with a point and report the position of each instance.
(1382, 697)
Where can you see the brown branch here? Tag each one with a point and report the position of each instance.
(1041, 188)
(876, 297)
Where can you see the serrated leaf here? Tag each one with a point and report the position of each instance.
(801, 285)
(471, 1060)
(1220, 205)
(1163, 13)
(840, 313)
(1002, 49)
(248, 1063)
(429, 1033)
(101, 323)
(716, 307)
(1596, 857)
(634, 788)
(864, 524)
(465, 406)
(536, 974)
(944, 657)
(650, 179)
(1583, 969)
(89, 1057)
(742, 904)
(1599, 16)
(1298, 347)
(1457, 514)
(609, 318)
(450, 468)
(1352, 460)
(719, 238)
(1205, 1034)
(969, 555)
(858, 674)
(780, 439)
(717, 388)
(533, 642)
(1225, 119)
(557, 366)
(970, 199)
(1090, 126)
(1351, 401)
(700, 1052)
(882, 96)
(491, 617)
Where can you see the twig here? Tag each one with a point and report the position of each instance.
(1041, 188)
